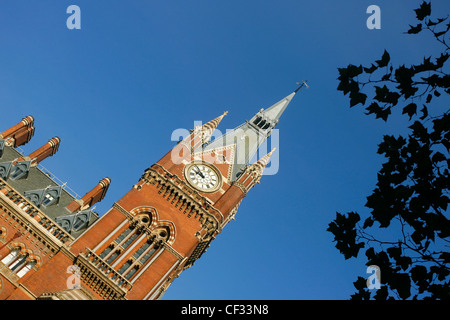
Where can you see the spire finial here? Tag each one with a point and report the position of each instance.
(303, 84)
(256, 169)
(214, 122)
(208, 128)
(264, 160)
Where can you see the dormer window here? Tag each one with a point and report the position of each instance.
(45, 197)
(74, 222)
(20, 170)
(5, 168)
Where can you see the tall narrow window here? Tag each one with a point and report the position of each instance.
(141, 250)
(125, 266)
(25, 269)
(131, 272)
(147, 256)
(123, 235)
(10, 257)
(106, 251)
(113, 256)
(19, 262)
(144, 253)
(130, 240)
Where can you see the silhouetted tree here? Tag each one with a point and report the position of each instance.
(410, 201)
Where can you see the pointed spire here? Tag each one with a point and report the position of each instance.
(208, 128)
(214, 123)
(272, 115)
(248, 137)
(231, 199)
(274, 112)
(185, 149)
(257, 168)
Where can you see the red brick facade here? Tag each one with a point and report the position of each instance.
(133, 251)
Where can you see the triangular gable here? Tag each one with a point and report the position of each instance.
(20, 170)
(74, 222)
(46, 196)
(5, 168)
(222, 157)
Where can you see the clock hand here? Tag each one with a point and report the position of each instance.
(199, 173)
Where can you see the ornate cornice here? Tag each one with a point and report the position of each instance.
(32, 220)
(172, 251)
(119, 208)
(101, 277)
(210, 217)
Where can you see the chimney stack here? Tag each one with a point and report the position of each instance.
(19, 134)
(47, 150)
(89, 199)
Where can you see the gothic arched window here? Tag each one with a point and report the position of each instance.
(135, 246)
(19, 262)
(26, 268)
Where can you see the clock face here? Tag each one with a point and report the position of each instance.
(203, 177)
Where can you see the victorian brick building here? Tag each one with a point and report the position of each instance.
(54, 246)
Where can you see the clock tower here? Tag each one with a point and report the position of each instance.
(166, 221)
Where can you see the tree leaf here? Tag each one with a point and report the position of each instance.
(437, 157)
(394, 252)
(344, 230)
(368, 222)
(410, 109)
(413, 184)
(350, 71)
(371, 69)
(424, 111)
(445, 256)
(383, 94)
(385, 58)
(419, 130)
(404, 262)
(402, 283)
(356, 98)
(442, 59)
(431, 23)
(382, 293)
(415, 30)
(423, 11)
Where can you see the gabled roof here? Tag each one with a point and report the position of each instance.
(246, 139)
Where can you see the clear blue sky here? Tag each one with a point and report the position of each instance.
(137, 70)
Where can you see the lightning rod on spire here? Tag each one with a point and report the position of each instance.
(303, 84)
